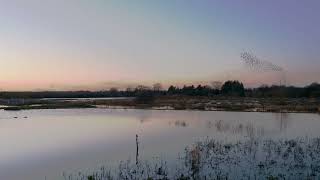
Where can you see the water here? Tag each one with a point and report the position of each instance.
(45, 143)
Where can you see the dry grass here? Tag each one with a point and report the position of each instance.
(211, 159)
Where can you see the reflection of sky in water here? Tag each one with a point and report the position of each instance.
(48, 142)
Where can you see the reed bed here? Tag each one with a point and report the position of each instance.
(211, 159)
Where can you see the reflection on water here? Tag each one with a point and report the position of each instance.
(243, 129)
(180, 124)
(283, 119)
(50, 142)
(248, 128)
(145, 116)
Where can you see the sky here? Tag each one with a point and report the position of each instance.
(98, 44)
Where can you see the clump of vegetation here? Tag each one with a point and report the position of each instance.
(145, 98)
(233, 88)
(211, 159)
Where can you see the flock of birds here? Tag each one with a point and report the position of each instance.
(254, 63)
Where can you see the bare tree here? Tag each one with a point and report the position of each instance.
(142, 88)
(157, 87)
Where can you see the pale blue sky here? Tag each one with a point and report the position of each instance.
(61, 44)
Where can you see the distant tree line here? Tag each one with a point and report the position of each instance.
(310, 91)
(229, 88)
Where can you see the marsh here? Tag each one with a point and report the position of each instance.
(39, 144)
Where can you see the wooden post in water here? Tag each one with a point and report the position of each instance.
(137, 150)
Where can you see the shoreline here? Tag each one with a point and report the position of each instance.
(234, 104)
(199, 110)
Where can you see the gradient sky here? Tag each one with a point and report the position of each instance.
(95, 44)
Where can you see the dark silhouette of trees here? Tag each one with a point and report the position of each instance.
(313, 90)
(147, 94)
(310, 91)
(233, 88)
(172, 90)
(113, 91)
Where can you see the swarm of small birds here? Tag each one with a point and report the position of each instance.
(254, 63)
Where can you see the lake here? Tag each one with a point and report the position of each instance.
(43, 144)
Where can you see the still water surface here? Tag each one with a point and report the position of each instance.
(45, 143)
